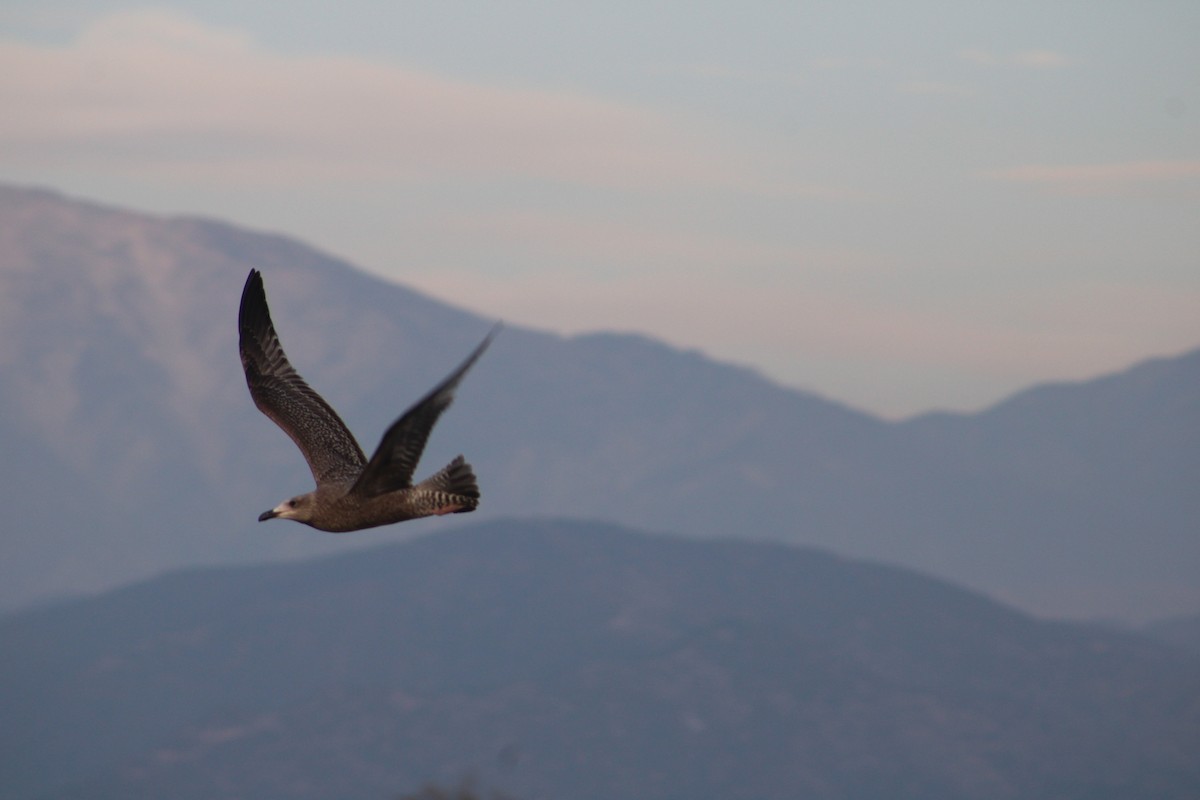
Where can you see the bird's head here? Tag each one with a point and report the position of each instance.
(299, 508)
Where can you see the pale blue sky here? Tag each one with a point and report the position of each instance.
(903, 206)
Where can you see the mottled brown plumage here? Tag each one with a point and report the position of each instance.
(352, 493)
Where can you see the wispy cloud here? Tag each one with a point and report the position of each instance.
(728, 72)
(156, 91)
(1040, 59)
(1066, 331)
(1030, 59)
(936, 88)
(839, 64)
(561, 239)
(1099, 179)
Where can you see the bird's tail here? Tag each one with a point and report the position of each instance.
(454, 486)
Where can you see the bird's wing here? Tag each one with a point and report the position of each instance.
(392, 465)
(280, 393)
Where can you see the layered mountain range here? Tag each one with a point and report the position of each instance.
(132, 447)
(566, 659)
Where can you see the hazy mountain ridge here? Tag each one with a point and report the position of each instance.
(139, 449)
(582, 660)
(1180, 631)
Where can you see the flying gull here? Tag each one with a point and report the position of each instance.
(352, 493)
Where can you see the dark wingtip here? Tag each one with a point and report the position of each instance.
(253, 281)
(487, 340)
(252, 312)
(479, 350)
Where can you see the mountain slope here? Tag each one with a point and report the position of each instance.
(137, 447)
(582, 660)
(1180, 631)
(1085, 489)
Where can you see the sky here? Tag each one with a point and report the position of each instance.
(901, 206)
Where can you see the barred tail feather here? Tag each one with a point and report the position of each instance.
(454, 487)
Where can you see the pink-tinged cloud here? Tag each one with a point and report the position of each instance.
(155, 92)
(1040, 59)
(703, 70)
(1073, 330)
(1104, 179)
(1030, 59)
(563, 239)
(936, 88)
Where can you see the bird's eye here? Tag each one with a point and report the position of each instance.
(291, 503)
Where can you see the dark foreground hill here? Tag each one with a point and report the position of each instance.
(130, 444)
(559, 660)
(1180, 631)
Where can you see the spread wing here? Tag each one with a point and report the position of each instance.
(280, 393)
(395, 460)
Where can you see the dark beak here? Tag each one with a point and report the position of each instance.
(266, 515)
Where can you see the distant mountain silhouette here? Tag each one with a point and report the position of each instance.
(131, 445)
(1180, 631)
(566, 659)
